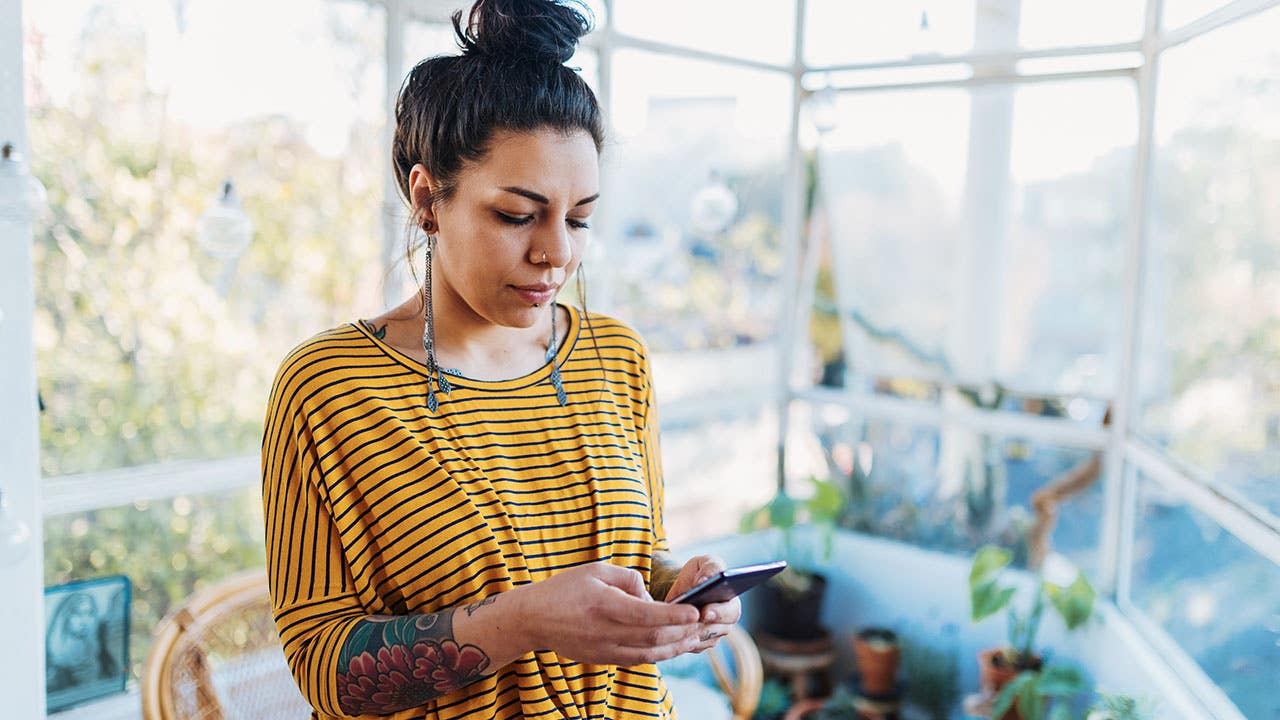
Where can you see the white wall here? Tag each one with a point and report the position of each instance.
(21, 595)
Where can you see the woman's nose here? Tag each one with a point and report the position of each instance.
(552, 247)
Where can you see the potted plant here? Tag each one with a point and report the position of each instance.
(1000, 666)
(1043, 694)
(876, 653)
(790, 603)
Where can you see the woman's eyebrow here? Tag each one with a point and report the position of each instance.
(542, 199)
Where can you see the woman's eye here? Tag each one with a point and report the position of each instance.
(510, 220)
(579, 224)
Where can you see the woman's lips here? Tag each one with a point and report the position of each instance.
(535, 294)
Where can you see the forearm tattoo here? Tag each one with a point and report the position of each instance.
(392, 663)
(662, 575)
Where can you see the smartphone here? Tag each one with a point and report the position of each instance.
(729, 584)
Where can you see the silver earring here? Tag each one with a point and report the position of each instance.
(434, 372)
(551, 358)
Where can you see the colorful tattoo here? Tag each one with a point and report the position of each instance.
(663, 575)
(392, 663)
(378, 332)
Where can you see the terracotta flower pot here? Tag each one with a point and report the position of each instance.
(877, 654)
(994, 672)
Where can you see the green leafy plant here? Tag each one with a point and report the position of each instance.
(1073, 602)
(1042, 695)
(821, 510)
(1120, 707)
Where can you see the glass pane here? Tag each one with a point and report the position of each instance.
(992, 254)
(716, 469)
(154, 345)
(695, 171)
(753, 29)
(891, 180)
(951, 489)
(1053, 23)
(1213, 594)
(168, 548)
(854, 31)
(423, 40)
(1209, 378)
(1176, 13)
(858, 31)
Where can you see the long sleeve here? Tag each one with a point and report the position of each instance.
(312, 592)
(652, 449)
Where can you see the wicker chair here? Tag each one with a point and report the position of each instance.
(218, 657)
(743, 690)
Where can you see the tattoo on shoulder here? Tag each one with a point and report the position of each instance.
(479, 604)
(393, 663)
(378, 332)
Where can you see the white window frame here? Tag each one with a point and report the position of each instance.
(1126, 452)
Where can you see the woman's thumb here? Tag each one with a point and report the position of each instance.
(625, 579)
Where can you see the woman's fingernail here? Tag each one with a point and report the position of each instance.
(711, 615)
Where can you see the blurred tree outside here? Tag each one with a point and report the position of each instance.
(140, 359)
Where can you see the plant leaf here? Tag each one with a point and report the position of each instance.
(1074, 602)
(782, 511)
(1062, 681)
(987, 563)
(1060, 711)
(1030, 701)
(988, 599)
(1004, 701)
(827, 501)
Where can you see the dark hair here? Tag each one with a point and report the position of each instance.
(510, 76)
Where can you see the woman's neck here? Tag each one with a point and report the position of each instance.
(468, 342)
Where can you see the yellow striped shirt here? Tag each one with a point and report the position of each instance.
(375, 505)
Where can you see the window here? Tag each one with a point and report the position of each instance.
(950, 488)
(946, 265)
(1212, 594)
(863, 31)
(696, 174)
(1210, 383)
(169, 549)
(762, 30)
(150, 348)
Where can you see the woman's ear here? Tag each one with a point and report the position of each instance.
(421, 185)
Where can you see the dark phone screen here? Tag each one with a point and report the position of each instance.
(730, 583)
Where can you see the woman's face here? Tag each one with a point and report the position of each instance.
(516, 227)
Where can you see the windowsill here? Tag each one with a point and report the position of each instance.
(125, 706)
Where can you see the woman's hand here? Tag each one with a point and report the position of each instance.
(716, 618)
(602, 614)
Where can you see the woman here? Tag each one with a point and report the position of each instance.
(463, 496)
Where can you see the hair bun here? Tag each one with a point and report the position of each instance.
(543, 29)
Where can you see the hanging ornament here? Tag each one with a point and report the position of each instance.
(713, 206)
(224, 230)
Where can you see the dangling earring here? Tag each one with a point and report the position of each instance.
(551, 358)
(429, 332)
